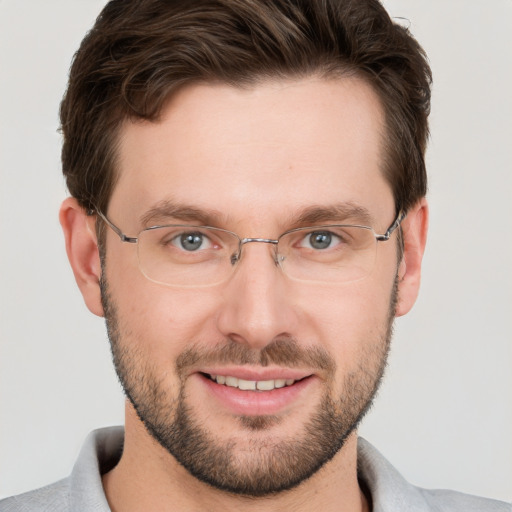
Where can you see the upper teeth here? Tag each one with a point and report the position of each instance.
(262, 385)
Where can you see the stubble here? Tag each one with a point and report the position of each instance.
(261, 464)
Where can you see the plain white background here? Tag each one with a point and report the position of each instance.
(444, 414)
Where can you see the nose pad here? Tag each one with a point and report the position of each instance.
(236, 257)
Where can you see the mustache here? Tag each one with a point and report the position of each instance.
(282, 352)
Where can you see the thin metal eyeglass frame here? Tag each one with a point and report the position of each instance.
(242, 241)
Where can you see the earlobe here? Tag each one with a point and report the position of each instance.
(82, 251)
(414, 232)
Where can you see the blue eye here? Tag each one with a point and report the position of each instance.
(191, 241)
(319, 240)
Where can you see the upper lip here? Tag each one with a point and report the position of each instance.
(257, 374)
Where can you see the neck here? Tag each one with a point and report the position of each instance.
(148, 478)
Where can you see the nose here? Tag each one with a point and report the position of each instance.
(257, 305)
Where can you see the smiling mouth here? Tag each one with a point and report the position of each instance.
(251, 385)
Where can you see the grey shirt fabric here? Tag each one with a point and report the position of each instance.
(82, 491)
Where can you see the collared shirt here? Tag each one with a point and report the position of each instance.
(82, 491)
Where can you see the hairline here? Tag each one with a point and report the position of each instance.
(342, 71)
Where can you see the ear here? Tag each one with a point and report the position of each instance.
(83, 254)
(414, 232)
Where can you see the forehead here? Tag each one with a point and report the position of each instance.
(260, 151)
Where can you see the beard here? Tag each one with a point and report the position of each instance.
(256, 464)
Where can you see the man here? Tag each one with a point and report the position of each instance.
(248, 214)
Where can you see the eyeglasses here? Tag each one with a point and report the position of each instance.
(192, 256)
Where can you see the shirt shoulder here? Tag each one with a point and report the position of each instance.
(54, 497)
(390, 492)
(440, 500)
(82, 491)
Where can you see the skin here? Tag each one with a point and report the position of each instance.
(259, 157)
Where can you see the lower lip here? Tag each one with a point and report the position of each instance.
(256, 403)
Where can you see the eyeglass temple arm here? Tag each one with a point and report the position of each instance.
(116, 230)
(400, 217)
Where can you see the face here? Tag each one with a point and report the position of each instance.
(254, 161)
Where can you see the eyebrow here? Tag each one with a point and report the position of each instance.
(341, 212)
(167, 210)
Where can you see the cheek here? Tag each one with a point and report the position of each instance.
(159, 320)
(348, 321)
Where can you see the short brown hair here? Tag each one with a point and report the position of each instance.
(141, 51)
